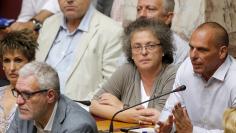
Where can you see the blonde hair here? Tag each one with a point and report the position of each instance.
(230, 120)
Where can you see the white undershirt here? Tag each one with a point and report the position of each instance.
(144, 96)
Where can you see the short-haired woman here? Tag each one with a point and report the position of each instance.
(148, 73)
(16, 49)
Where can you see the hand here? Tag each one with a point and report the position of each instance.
(149, 115)
(182, 121)
(109, 99)
(165, 127)
(20, 26)
(140, 115)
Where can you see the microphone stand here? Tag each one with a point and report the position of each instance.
(181, 88)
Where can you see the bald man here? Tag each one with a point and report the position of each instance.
(209, 75)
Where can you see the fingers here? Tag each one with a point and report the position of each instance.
(149, 112)
(185, 112)
(140, 122)
(170, 120)
(178, 111)
(139, 107)
(164, 127)
(148, 120)
(158, 126)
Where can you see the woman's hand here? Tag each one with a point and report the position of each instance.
(140, 115)
(109, 99)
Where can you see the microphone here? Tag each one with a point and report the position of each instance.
(87, 103)
(180, 88)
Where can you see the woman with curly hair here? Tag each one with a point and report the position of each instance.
(148, 73)
(16, 49)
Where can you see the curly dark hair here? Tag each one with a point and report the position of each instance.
(25, 41)
(160, 31)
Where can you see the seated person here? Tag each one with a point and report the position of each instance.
(83, 45)
(230, 120)
(209, 76)
(16, 49)
(41, 107)
(33, 13)
(147, 45)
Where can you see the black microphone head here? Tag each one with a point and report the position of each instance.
(180, 88)
(87, 103)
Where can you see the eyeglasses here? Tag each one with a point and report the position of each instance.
(25, 95)
(150, 47)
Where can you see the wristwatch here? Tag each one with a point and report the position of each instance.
(37, 24)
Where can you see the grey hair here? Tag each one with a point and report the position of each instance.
(46, 76)
(159, 30)
(168, 5)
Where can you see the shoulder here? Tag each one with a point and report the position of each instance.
(169, 72)
(2, 89)
(171, 69)
(76, 116)
(126, 69)
(231, 74)
(186, 66)
(105, 22)
(53, 18)
(233, 64)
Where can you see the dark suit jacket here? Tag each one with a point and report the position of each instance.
(69, 118)
(104, 6)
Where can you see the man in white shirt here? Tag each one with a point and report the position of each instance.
(163, 11)
(209, 76)
(37, 10)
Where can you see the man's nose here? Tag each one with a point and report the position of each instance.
(193, 53)
(69, 1)
(142, 13)
(20, 100)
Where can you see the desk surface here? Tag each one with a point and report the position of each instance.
(103, 125)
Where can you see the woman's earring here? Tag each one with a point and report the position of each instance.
(163, 54)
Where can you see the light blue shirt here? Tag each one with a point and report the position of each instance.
(205, 101)
(62, 54)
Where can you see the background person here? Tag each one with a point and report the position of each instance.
(148, 47)
(163, 11)
(33, 13)
(83, 45)
(16, 49)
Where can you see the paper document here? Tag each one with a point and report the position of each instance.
(142, 130)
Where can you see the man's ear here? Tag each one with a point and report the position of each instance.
(223, 52)
(168, 18)
(51, 95)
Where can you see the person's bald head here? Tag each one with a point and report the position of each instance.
(219, 34)
(208, 48)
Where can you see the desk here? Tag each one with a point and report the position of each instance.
(104, 125)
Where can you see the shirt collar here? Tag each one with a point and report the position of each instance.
(84, 24)
(221, 72)
(48, 127)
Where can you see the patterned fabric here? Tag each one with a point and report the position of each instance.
(5, 120)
